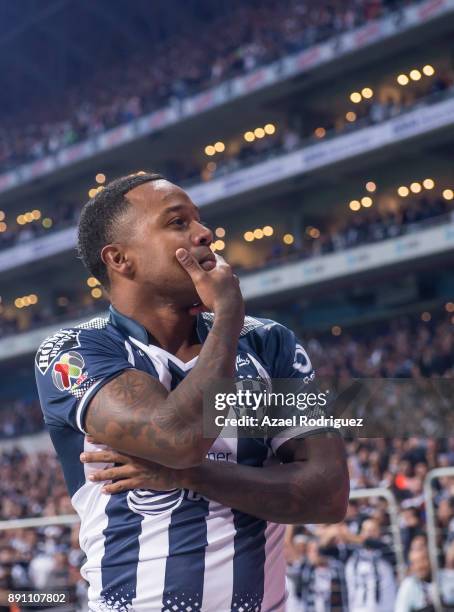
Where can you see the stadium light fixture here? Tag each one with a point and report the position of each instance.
(428, 183)
(355, 205)
(403, 80)
(249, 136)
(268, 230)
(100, 178)
(3, 227)
(210, 150)
(21, 220)
(96, 293)
(248, 236)
(269, 128)
(2, 215)
(219, 147)
(415, 187)
(320, 132)
(449, 307)
(259, 132)
(219, 232)
(428, 70)
(92, 192)
(448, 194)
(47, 222)
(366, 202)
(403, 191)
(415, 75)
(367, 93)
(350, 116)
(314, 233)
(355, 97)
(288, 239)
(258, 234)
(220, 245)
(371, 186)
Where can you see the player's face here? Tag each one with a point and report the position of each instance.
(165, 219)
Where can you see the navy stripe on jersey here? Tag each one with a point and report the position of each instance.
(121, 554)
(249, 540)
(69, 443)
(185, 567)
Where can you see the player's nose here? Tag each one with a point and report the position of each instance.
(201, 234)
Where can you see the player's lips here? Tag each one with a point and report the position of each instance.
(208, 261)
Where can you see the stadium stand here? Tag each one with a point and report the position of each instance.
(392, 320)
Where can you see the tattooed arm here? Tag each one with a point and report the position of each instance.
(311, 486)
(135, 414)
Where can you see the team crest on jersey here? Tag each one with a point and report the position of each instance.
(52, 347)
(242, 361)
(67, 372)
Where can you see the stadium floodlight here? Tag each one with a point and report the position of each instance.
(415, 75)
(428, 70)
(416, 187)
(402, 79)
(355, 97)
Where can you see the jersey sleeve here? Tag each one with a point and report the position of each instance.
(70, 367)
(288, 359)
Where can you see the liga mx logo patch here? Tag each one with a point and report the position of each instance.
(68, 372)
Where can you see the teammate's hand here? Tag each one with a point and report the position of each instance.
(132, 473)
(218, 289)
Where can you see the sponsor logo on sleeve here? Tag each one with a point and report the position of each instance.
(67, 372)
(63, 340)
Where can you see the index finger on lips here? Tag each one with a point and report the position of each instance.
(189, 263)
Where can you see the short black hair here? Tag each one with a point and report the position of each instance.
(98, 218)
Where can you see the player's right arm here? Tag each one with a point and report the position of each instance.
(134, 413)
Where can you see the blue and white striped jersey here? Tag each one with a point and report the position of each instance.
(171, 551)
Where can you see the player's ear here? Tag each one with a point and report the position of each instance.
(115, 258)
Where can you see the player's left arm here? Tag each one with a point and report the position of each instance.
(311, 486)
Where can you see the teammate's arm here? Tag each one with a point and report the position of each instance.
(135, 414)
(311, 486)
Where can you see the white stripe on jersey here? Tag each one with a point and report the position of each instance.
(220, 551)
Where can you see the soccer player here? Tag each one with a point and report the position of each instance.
(206, 530)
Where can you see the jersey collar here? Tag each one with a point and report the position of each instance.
(132, 328)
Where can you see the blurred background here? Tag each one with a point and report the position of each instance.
(317, 139)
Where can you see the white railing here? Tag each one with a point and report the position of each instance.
(393, 511)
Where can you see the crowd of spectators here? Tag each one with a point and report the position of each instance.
(253, 34)
(361, 228)
(364, 227)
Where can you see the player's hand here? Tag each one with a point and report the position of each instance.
(218, 288)
(132, 473)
